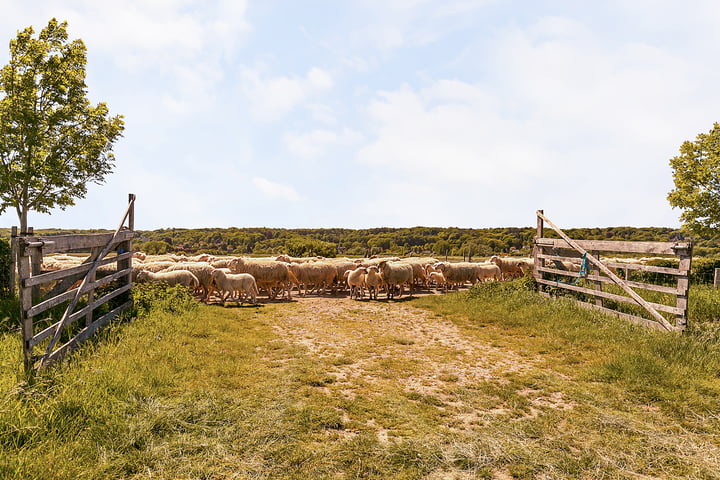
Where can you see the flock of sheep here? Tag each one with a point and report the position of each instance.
(242, 279)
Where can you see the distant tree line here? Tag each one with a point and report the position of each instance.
(332, 242)
(438, 242)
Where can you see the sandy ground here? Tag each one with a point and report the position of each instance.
(378, 345)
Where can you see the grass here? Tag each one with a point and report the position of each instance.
(210, 392)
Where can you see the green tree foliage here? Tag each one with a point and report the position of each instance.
(156, 247)
(309, 247)
(52, 140)
(696, 172)
(480, 242)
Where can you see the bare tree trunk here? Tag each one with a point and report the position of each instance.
(22, 216)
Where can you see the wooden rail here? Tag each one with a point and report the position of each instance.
(549, 253)
(61, 287)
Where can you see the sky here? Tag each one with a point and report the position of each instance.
(392, 113)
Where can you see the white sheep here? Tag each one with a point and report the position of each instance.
(512, 267)
(238, 284)
(269, 274)
(436, 278)
(201, 270)
(320, 275)
(373, 281)
(356, 282)
(179, 277)
(396, 274)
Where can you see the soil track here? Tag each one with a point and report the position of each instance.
(373, 346)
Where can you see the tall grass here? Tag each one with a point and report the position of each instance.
(187, 391)
(679, 371)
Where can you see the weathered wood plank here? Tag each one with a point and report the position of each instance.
(100, 301)
(72, 271)
(109, 245)
(647, 306)
(600, 278)
(683, 286)
(635, 319)
(26, 321)
(657, 248)
(562, 253)
(609, 296)
(65, 243)
(551, 258)
(621, 265)
(645, 268)
(51, 302)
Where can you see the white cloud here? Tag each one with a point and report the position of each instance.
(317, 142)
(276, 190)
(398, 24)
(322, 113)
(272, 98)
(319, 79)
(456, 138)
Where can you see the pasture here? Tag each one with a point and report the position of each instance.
(494, 382)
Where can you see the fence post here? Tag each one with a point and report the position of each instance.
(128, 248)
(35, 255)
(538, 262)
(716, 281)
(94, 253)
(683, 285)
(26, 323)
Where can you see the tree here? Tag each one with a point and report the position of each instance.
(52, 140)
(696, 172)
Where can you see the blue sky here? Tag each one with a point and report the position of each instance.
(398, 113)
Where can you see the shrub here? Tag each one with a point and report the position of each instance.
(156, 247)
(5, 264)
(302, 247)
(159, 296)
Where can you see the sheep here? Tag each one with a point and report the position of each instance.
(149, 267)
(162, 258)
(269, 274)
(53, 263)
(221, 262)
(488, 271)
(563, 265)
(396, 273)
(367, 262)
(456, 274)
(511, 267)
(373, 281)
(231, 283)
(436, 278)
(289, 259)
(418, 266)
(203, 272)
(318, 274)
(356, 282)
(179, 277)
(343, 266)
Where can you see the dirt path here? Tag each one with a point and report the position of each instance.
(375, 346)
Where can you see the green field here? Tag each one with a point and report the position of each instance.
(495, 382)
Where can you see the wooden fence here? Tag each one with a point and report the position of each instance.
(77, 286)
(549, 271)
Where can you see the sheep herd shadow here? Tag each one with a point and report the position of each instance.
(381, 298)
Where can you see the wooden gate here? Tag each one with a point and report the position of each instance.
(552, 255)
(40, 291)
